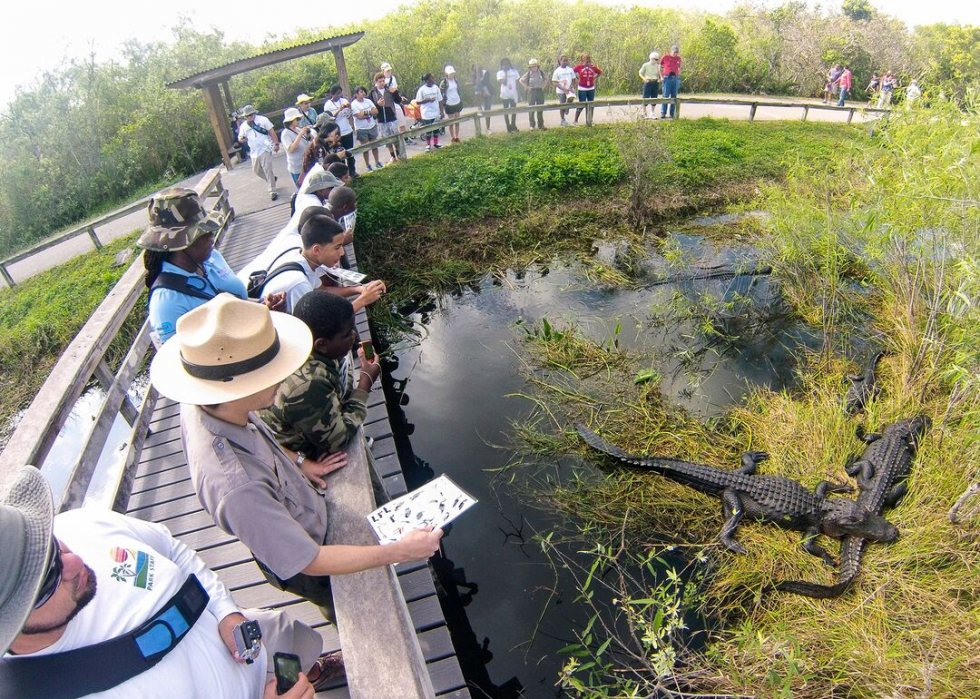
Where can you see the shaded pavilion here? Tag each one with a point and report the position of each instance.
(213, 83)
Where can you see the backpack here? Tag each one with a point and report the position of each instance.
(260, 277)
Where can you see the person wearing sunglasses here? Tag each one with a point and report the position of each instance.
(97, 604)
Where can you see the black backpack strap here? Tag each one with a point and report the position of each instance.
(97, 668)
(285, 267)
(192, 286)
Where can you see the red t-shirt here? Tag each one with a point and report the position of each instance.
(670, 64)
(586, 75)
(845, 80)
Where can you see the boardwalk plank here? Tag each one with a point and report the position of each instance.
(155, 480)
(161, 494)
(417, 585)
(395, 485)
(446, 675)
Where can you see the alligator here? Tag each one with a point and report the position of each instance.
(773, 499)
(882, 473)
(864, 387)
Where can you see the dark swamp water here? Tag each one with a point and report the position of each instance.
(513, 614)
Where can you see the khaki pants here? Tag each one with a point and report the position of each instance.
(262, 166)
(283, 634)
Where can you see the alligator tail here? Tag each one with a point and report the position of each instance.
(599, 444)
(799, 587)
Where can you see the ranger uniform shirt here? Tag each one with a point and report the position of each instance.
(317, 410)
(253, 490)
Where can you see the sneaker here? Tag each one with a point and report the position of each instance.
(428, 149)
(564, 123)
(370, 169)
(378, 166)
(273, 195)
(489, 132)
(410, 141)
(436, 146)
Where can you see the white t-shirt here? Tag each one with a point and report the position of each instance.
(258, 143)
(294, 160)
(429, 110)
(452, 93)
(508, 83)
(341, 113)
(564, 77)
(295, 284)
(364, 105)
(285, 239)
(138, 566)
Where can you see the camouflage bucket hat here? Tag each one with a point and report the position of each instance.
(177, 219)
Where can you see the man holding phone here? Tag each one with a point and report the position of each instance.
(83, 590)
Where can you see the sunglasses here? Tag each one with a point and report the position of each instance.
(52, 579)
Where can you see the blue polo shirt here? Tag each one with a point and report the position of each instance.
(167, 305)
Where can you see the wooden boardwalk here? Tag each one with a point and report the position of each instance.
(163, 493)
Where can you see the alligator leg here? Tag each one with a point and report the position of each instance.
(824, 487)
(731, 507)
(751, 461)
(811, 546)
(897, 492)
(864, 436)
(863, 471)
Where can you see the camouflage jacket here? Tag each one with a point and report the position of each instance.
(310, 413)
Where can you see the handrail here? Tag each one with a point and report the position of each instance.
(84, 358)
(88, 228)
(589, 108)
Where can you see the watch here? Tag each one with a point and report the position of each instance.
(300, 458)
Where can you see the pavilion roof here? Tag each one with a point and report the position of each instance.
(222, 73)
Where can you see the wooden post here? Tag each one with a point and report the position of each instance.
(370, 604)
(806, 110)
(588, 114)
(219, 121)
(755, 106)
(338, 55)
(229, 102)
(478, 129)
(402, 146)
(6, 276)
(850, 115)
(95, 239)
(677, 108)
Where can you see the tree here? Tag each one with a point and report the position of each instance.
(858, 10)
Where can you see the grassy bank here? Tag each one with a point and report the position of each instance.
(437, 222)
(880, 242)
(40, 316)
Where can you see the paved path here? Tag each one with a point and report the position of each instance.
(247, 192)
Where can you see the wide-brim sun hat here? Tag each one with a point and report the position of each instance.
(303, 97)
(177, 220)
(26, 518)
(248, 109)
(386, 66)
(322, 180)
(291, 114)
(450, 70)
(228, 349)
(654, 56)
(532, 62)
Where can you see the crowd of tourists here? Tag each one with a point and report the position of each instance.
(273, 385)
(382, 110)
(880, 89)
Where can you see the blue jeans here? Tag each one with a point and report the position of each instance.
(843, 96)
(672, 84)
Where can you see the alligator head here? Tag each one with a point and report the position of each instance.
(915, 427)
(844, 517)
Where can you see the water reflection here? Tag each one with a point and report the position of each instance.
(458, 386)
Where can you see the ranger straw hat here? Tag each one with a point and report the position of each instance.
(177, 219)
(26, 516)
(228, 349)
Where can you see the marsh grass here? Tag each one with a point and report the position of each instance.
(40, 316)
(885, 238)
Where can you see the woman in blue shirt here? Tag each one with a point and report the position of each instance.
(183, 270)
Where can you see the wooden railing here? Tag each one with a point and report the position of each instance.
(84, 360)
(589, 108)
(90, 229)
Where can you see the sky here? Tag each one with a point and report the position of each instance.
(31, 42)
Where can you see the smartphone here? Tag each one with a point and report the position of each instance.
(368, 350)
(287, 671)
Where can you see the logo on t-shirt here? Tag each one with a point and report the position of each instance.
(134, 566)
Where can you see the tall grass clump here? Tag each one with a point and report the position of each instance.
(880, 243)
